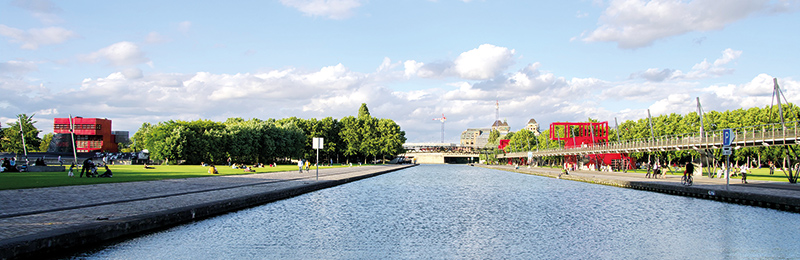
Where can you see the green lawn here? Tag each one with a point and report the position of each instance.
(123, 173)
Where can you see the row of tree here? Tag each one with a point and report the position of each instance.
(265, 141)
(675, 125)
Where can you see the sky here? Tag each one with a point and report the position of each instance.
(410, 61)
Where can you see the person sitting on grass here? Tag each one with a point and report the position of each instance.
(213, 169)
(148, 167)
(92, 172)
(248, 169)
(71, 174)
(107, 173)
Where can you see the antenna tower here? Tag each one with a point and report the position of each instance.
(442, 119)
(496, 111)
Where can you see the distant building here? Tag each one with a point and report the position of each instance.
(501, 127)
(91, 135)
(479, 137)
(475, 137)
(121, 137)
(533, 126)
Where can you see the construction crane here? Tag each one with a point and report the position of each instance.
(442, 119)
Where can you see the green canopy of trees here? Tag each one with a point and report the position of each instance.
(689, 124)
(266, 141)
(11, 139)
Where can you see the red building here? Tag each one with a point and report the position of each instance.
(91, 134)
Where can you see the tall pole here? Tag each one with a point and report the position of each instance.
(616, 125)
(780, 108)
(22, 134)
(650, 120)
(72, 134)
(778, 94)
(700, 113)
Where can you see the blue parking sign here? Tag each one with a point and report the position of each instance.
(727, 137)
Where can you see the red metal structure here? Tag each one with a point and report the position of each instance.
(587, 134)
(91, 134)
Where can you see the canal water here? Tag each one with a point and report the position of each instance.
(462, 212)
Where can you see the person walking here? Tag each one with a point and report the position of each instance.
(771, 168)
(300, 165)
(744, 173)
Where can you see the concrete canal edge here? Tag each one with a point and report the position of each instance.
(783, 203)
(61, 241)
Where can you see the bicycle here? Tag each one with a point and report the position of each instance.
(686, 180)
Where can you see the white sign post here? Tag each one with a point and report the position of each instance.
(316, 143)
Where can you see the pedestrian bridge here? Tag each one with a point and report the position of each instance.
(440, 153)
(750, 136)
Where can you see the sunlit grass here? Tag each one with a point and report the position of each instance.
(123, 173)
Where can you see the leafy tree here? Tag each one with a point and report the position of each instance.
(350, 136)
(370, 140)
(363, 112)
(12, 140)
(493, 136)
(392, 138)
(46, 139)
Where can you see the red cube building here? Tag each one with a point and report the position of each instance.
(91, 134)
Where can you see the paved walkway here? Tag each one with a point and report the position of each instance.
(37, 212)
(754, 187)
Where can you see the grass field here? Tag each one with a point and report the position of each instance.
(123, 173)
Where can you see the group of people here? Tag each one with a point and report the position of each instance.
(654, 170)
(743, 170)
(90, 169)
(9, 165)
(303, 163)
(212, 169)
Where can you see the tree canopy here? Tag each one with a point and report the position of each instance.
(266, 141)
(12, 137)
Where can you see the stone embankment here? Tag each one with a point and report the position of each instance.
(51, 221)
(775, 195)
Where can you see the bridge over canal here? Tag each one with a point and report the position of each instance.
(440, 153)
(749, 136)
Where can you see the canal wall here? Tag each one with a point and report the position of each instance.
(782, 196)
(58, 241)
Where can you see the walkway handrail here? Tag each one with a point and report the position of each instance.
(748, 136)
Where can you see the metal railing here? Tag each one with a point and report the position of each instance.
(748, 136)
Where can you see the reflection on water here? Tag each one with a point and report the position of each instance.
(448, 211)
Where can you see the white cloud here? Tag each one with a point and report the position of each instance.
(411, 67)
(702, 70)
(33, 38)
(637, 23)
(184, 27)
(154, 37)
(333, 9)
(17, 67)
(119, 54)
(484, 62)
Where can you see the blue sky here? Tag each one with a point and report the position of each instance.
(411, 60)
